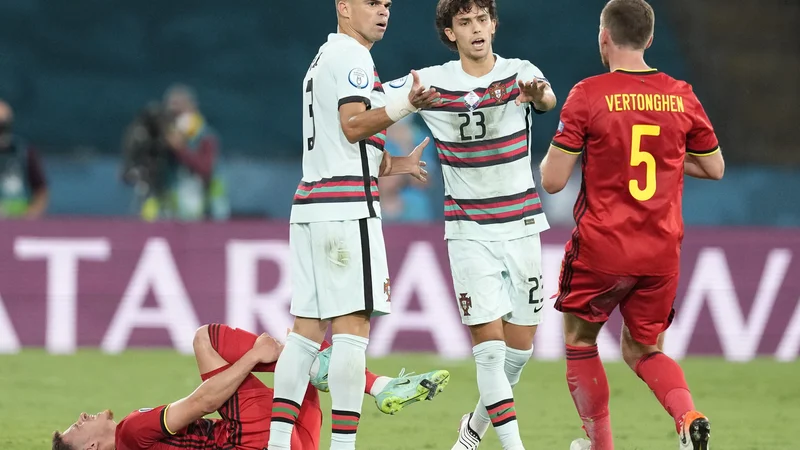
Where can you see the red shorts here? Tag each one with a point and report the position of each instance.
(645, 301)
(248, 413)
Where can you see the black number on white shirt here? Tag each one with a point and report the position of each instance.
(310, 97)
(480, 123)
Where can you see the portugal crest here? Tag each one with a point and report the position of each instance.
(497, 91)
(466, 303)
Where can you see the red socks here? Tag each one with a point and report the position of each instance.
(589, 388)
(665, 378)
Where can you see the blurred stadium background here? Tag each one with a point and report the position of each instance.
(97, 294)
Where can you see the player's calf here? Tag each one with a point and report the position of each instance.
(291, 382)
(662, 374)
(495, 391)
(478, 422)
(347, 378)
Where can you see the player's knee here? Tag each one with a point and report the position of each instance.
(201, 339)
(633, 351)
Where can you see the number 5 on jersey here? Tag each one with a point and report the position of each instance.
(638, 157)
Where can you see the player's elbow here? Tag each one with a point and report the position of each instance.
(551, 183)
(718, 171)
(552, 187)
(207, 406)
(350, 132)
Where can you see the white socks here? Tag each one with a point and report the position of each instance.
(346, 380)
(495, 390)
(291, 382)
(515, 362)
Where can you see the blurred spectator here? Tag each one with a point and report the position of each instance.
(23, 187)
(194, 187)
(404, 199)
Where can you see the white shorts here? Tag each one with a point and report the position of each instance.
(498, 280)
(338, 268)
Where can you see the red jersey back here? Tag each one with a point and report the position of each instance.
(633, 130)
(147, 429)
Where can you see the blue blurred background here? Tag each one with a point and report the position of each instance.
(77, 73)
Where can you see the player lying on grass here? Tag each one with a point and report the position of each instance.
(225, 358)
(638, 132)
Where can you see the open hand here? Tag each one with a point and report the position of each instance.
(418, 166)
(420, 97)
(531, 92)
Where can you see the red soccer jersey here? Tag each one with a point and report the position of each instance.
(633, 130)
(145, 429)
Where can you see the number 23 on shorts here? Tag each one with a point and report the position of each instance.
(638, 157)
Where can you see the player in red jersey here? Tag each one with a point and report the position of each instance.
(225, 358)
(637, 132)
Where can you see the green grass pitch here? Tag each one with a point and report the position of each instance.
(751, 406)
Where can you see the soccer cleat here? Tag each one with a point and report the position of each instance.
(580, 444)
(468, 438)
(407, 389)
(320, 379)
(695, 431)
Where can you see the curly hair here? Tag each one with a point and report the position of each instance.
(447, 10)
(59, 444)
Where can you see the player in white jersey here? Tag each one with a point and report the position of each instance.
(339, 270)
(481, 128)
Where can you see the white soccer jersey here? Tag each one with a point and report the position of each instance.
(483, 141)
(340, 179)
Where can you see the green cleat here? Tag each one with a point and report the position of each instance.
(319, 379)
(407, 389)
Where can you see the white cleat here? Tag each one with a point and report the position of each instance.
(468, 439)
(580, 444)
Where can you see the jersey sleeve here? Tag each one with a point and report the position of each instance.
(145, 427)
(354, 75)
(701, 140)
(398, 88)
(574, 122)
(529, 72)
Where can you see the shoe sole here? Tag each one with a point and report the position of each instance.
(426, 390)
(700, 433)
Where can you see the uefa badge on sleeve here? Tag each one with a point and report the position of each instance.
(358, 78)
(560, 127)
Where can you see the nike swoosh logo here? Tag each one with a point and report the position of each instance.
(404, 383)
(536, 310)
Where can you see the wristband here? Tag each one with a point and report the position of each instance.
(397, 110)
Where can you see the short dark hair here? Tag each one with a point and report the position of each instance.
(59, 444)
(630, 22)
(447, 10)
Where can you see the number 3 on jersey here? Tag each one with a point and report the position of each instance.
(638, 157)
(310, 103)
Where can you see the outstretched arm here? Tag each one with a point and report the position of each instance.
(358, 123)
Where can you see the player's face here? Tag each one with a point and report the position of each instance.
(90, 428)
(473, 32)
(370, 18)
